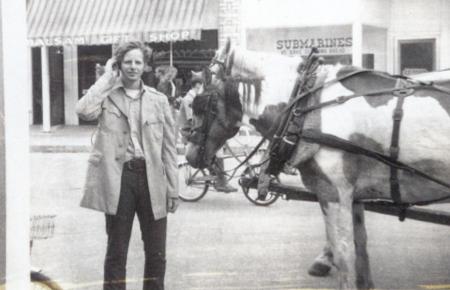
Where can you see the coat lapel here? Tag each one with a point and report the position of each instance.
(150, 108)
(118, 100)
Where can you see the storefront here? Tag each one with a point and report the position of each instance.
(70, 39)
(335, 43)
(401, 37)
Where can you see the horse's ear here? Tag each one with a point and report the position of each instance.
(228, 45)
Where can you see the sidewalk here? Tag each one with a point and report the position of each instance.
(67, 139)
(75, 139)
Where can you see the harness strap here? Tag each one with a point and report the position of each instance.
(394, 149)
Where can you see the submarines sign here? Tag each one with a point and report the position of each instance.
(331, 40)
(302, 46)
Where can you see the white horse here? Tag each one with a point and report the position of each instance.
(265, 79)
(340, 178)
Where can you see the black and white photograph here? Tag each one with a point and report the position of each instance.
(225, 144)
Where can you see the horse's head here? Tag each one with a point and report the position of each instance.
(217, 114)
(222, 62)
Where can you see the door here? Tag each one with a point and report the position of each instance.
(417, 56)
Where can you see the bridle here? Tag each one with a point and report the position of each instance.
(226, 64)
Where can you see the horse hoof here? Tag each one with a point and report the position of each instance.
(319, 269)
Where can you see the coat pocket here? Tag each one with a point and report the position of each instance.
(155, 126)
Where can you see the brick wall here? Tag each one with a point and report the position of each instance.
(229, 21)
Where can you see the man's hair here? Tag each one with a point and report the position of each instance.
(125, 47)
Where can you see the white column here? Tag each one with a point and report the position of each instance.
(170, 53)
(14, 147)
(357, 47)
(70, 84)
(46, 118)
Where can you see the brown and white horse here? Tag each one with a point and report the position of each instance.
(341, 178)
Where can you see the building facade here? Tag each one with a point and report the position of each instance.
(69, 40)
(397, 36)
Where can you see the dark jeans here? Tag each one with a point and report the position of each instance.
(135, 198)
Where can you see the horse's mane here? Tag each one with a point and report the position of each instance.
(251, 68)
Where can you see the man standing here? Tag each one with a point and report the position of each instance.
(133, 164)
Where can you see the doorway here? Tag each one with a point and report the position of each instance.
(417, 56)
(56, 77)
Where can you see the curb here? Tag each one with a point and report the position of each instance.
(72, 149)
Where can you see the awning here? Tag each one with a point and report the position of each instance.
(93, 22)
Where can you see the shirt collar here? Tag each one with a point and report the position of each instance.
(119, 84)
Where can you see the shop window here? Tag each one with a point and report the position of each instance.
(346, 59)
(37, 84)
(56, 76)
(417, 56)
(56, 71)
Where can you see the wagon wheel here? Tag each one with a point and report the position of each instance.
(252, 194)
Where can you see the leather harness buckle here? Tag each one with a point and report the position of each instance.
(341, 99)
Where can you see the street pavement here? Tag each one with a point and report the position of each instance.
(225, 242)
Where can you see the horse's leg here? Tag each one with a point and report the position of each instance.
(363, 275)
(344, 254)
(323, 263)
(340, 216)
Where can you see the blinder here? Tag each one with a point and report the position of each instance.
(225, 64)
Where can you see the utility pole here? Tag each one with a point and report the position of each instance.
(14, 147)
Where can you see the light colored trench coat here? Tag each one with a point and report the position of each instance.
(103, 179)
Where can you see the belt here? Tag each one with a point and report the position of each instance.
(135, 164)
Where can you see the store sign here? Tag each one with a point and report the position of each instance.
(57, 41)
(302, 46)
(109, 39)
(298, 41)
(172, 36)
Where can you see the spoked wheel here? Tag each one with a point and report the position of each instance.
(193, 183)
(40, 281)
(252, 194)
